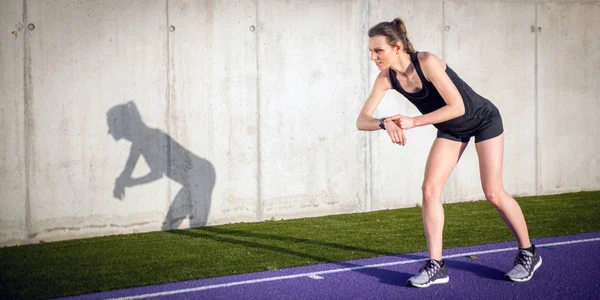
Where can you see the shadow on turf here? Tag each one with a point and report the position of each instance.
(385, 276)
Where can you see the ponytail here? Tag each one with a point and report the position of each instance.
(408, 47)
(394, 31)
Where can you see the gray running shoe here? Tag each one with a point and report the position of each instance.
(525, 265)
(430, 273)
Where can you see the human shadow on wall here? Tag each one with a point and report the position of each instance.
(165, 157)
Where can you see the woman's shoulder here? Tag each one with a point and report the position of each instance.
(430, 63)
(428, 58)
(384, 74)
(383, 80)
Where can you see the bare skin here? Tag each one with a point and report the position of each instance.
(443, 157)
(444, 153)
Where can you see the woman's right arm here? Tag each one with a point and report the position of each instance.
(366, 122)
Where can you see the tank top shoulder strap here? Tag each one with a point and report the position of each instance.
(393, 80)
(414, 56)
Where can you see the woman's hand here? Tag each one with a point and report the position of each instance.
(405, 122)
(395, 132)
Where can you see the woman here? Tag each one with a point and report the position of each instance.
(458, 113)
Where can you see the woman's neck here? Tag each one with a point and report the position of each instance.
(403, 64)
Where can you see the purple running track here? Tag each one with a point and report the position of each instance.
(569, 271)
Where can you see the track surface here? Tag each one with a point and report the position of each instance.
(569, 271)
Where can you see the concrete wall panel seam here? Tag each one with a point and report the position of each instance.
(367, 135)
(259, 207)
(443, 30)
(536, 109)
(168, 110)
(27, 126)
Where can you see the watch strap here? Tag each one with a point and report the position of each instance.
(381, 124)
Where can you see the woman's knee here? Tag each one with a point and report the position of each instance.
(494, 195)
(431, 191)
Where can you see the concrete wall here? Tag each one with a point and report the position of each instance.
(568, 96)
(13, 182)
(312, 157)
(242, 111)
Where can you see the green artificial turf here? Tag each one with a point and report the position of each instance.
(100, 264)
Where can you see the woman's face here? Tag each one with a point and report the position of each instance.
(381, 52)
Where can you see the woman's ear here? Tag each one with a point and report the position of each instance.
(399, 48)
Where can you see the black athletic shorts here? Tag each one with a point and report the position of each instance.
(488, 130)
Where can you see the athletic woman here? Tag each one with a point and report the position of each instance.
(458, 113)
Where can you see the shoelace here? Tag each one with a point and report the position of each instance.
(524, 260)
(431, 268)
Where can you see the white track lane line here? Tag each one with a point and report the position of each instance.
(315, 275)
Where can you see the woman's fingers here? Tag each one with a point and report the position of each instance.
(393, 135)
(403, 138)
(397, 137)
(396, 133)
(403, 123)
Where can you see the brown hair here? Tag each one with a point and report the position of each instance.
(394, 31)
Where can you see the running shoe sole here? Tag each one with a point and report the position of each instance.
(437, 281)
(530, 275)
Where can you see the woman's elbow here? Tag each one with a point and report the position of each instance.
(360, 124)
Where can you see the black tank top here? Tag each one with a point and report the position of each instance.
(478, 109)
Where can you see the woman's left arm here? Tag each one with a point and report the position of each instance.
(434, 70)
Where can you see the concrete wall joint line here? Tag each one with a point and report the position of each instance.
(168, 109)
(443, 31)
(258, 149)
(26, 126)
(367, 135)
(536, 105)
